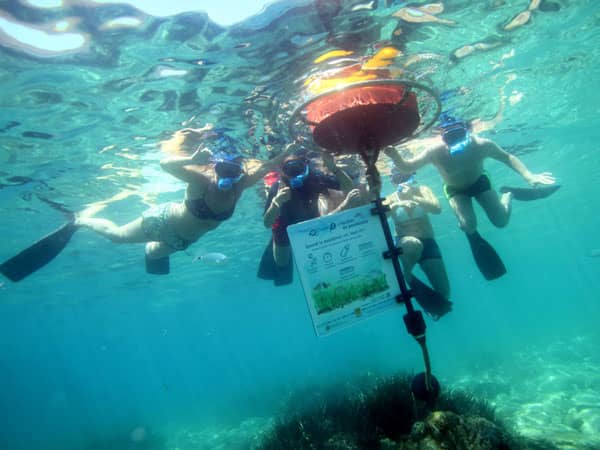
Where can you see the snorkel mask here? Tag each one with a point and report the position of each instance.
(228, 173)
(403, 181)
(456, 135)
(296, 170)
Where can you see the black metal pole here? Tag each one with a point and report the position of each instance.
(425, 388)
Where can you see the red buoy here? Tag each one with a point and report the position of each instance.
(359, 118)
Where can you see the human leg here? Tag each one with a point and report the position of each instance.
(156, 250)
(129, 233)
(411, 253)
(284, 269)
(486, 258)
(435, 270)
(497, 208)
(464, 212)
(433, 266)
(282, 254)
(434, 301)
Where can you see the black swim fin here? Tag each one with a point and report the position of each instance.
(269, 270)
(433, 303)
(532, 193)
(39, 254)
(158, 266)
(486, 258)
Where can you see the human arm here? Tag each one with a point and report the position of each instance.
(494, 151)
(176, 165)
(426, 199)
(267, 166)
(409, 164)
(417, 196)
(282, 196)
(342, 177)
(353, 199)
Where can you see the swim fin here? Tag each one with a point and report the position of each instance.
(486, 258)
(433, 303)
(39, 254)
(532, 193)
(269, 270)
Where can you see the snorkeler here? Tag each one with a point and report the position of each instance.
(292, 199)
(214, 186)
(410, 205)
(459, 155)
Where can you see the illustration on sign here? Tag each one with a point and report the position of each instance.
(342, 269)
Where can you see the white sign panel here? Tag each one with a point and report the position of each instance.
(343, 272)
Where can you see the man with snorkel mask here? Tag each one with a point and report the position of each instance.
(459, 154)
(292, 199)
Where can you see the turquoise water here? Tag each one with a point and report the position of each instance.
(95, 351)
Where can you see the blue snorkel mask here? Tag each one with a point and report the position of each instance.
(296, 170)
(403, 181)
(228, 170)
(456, 134)
(228, 173)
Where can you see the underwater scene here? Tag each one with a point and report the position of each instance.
(299, 224)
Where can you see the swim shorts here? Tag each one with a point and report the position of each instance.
(481, 185)
(431, 249)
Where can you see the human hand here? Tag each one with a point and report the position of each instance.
(541, 178)
(328, 160)
(201, 156)
(409, 204)
(353, 198)
(283, 195)
(389, 150)
(204, 129)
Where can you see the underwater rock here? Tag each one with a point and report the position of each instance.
(444, 429)
(381, 414)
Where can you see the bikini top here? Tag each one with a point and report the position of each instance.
(198, 208)
(401, 214)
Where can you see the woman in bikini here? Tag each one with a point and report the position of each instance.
(410, 207)
(214, 186)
